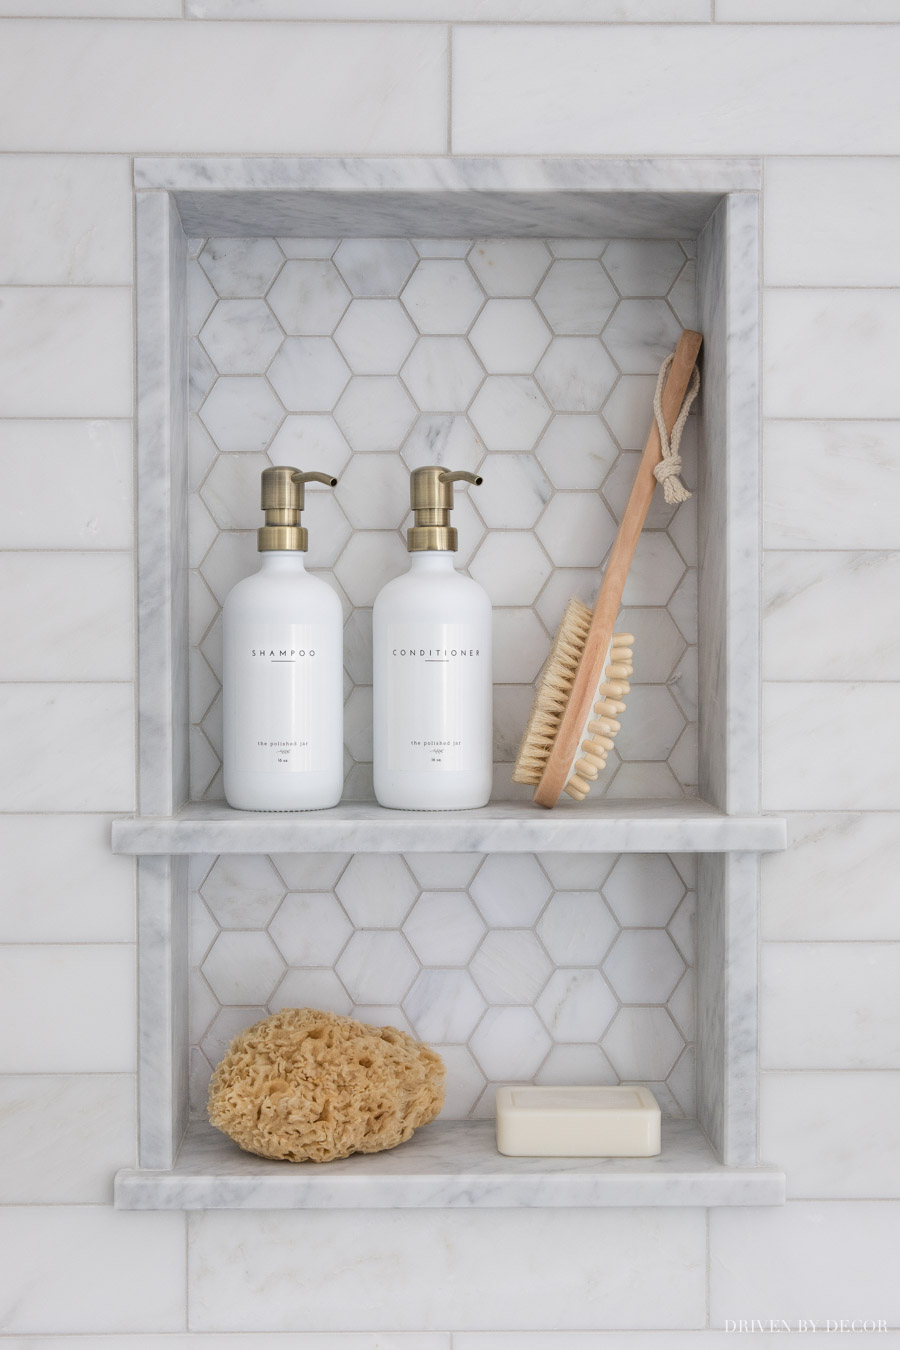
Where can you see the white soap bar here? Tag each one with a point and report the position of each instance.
(577, 1122)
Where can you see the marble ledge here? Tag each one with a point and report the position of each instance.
(684, 826)
(527, 195)
(447, 1165)
(710, 173)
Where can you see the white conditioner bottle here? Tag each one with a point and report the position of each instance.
(283, 668)
(432, 667)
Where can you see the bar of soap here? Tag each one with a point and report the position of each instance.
(577, 1122)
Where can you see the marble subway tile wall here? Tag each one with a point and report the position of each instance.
(556, 968)
(831, 478)
(810, 86)
(67, 924)
(531, 361)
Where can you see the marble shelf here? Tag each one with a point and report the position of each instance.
(453, 1164)
(687, 826)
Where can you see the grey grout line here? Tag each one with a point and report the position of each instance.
(858, 287)
(701, 25)
(721, 157)
(126, 944)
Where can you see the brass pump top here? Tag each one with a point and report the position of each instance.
(431, 498)
(282, 498)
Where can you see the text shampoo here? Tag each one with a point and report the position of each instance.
(433, 722)
(282, 680)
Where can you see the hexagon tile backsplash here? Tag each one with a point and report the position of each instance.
(533, 361)
(558, 968)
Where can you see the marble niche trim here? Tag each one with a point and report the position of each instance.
(562, 199)
(689, 826)
(525, 196)
(448, 1165)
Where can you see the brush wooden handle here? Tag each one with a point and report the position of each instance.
(606, 607)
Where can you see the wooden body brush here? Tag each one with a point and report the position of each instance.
(554, 754)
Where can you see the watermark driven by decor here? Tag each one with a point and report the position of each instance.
(769, 1325)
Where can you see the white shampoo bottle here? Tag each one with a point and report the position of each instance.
(432, 667)
(282, 679)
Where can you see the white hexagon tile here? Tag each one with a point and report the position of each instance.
(551, 969)
(532, 361)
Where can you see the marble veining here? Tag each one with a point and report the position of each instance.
(644, 198)
(502, 827)
(163, 1039)
(727, 926)
(729, 524)
(162, 506)
(447, 1165)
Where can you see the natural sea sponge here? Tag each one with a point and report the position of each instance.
(312, 1086)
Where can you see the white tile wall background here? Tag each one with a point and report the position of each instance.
(808, 84)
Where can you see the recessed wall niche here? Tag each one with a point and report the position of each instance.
(203, 228)
(532, 361)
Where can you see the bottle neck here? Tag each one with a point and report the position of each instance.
(432, 560)
(285, 561)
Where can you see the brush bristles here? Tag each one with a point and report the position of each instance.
(552, 697)
(553, 692)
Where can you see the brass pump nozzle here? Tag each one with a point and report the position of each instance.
(282, 498)
(313, 477)
(431, 498)
(461, 476)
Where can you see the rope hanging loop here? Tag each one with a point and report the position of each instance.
(667, 471)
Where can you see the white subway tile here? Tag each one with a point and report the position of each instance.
(839, 878)
(65, 351)
(66, 616)
(855, 204)
(831, 747)
(806, 11)
(608, 1340)
(89, 465)
(608, 90)
(48, 860)
(458, 11)
(63, 1136)
(831, 353)
(73, 1006)
(91, 1269)
(836, 1135)
(802, 595)
(829, 1005)
(157, 87)
(831, 485)
(291, 1340)
(91, 9)
(489, 1269)
(67, 747)
(66, 219)
(805, 1260)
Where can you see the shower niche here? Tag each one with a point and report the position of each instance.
(366, 317)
